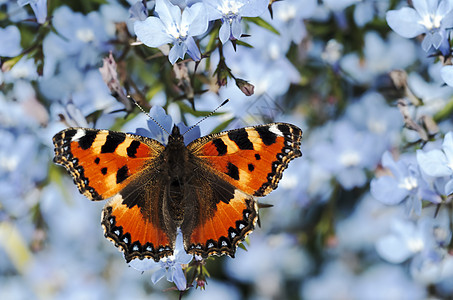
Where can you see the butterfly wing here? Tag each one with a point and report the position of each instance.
(108, 164)
(236, 165)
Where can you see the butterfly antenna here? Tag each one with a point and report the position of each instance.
(147, 114)
(210, 114)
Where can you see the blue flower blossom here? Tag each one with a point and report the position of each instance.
(39, 8)
(439, 163)
(169, 267)
(154, 131)
(174, 27)
(405, 183)
(432, 18)
(424, 240)
(231, 13)
(349, 153)
(10, 45)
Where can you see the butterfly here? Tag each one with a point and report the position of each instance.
(206, 189)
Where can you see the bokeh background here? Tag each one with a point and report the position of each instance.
(364, 214)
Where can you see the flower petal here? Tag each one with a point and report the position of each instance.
(236, 28)
(192, 49)
(152, 32)
(168, 13)
(433, 163)
(447, 75)
(405, 22)
(196, 19)
(392, 249)
(254, 8)
(385, 189)
(224, 32)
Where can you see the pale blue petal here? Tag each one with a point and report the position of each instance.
(433, 163)
(422, 7)
(144, 264)
(211, 8)
(254, 8)
(405, 22)
(427, 42)
(429, 195)
(449, 187)
(224, 32)
(392, 249)
(385, 189)
(158, 275)
(389, 163)
(40, 9)
(138, 11)
(168, 13)
(10, 45)
(178, 278)
(436, 39)
(196, 19)
(444, 7)
(447, 147)
(447, 21)
(192, 49)
(236, 28)
(177, 51)
(447, 75)
(152, 32)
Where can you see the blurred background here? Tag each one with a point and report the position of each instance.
(366, 213)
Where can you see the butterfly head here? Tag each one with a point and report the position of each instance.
(175, 135)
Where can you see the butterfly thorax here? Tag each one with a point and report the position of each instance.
(176, 157)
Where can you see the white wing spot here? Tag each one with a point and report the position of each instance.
(273, 128)
(79, 134)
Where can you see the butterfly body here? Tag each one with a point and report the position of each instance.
(207, 188)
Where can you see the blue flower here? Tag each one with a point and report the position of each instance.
(405, 183)
(154, 131)
(431, 18)
(170, 267)
(174, 27)
(439, 163)
(10, 45)
(231, 13)
(39, 8)
(424, 240)
(348, 155)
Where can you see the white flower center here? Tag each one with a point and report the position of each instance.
(85, 35)
(179, 34)
(230, 7)
(408, 183)
(431, 21)
(350, 158)
(415, 245)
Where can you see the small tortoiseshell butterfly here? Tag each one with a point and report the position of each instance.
(206, 188)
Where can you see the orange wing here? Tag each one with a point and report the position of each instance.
(107, 164)
(103, 162)
(236, 166)
(253, 158)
